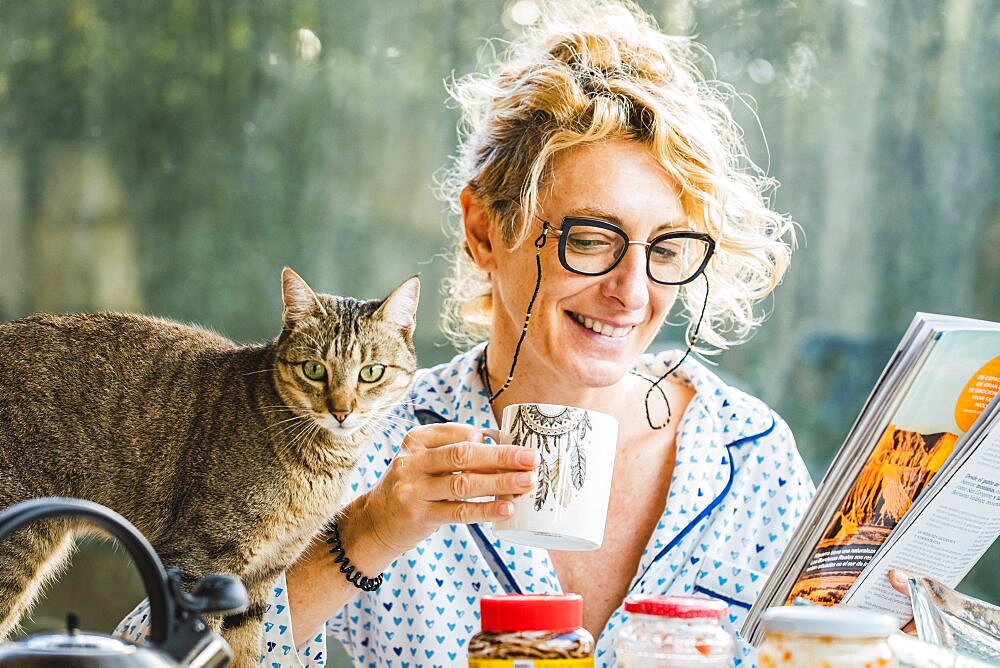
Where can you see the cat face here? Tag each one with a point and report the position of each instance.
(342, 362)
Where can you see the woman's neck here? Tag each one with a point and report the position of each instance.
(618, 399)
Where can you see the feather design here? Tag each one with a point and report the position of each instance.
(560, 441)
(566, 485)
(578, 464)
(584, 428)
(578, 455)
(558, 479)
(542, 491)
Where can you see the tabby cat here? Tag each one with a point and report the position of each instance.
(227, 458)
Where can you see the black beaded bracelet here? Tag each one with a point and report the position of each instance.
(353, 575)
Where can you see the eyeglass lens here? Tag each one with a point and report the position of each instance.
(593, 249)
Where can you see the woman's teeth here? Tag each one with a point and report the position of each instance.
(602, 328)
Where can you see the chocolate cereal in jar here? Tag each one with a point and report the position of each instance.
(532, 631)
(830, 637)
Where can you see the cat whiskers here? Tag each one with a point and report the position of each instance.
(288, 426)
(250, 373)
(304, 435)
(408, 403)
(385, 413)
(278, 408)
(294, 418)
(384, 420)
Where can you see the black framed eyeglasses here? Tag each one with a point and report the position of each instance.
(593, 247)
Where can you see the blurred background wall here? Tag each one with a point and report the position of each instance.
(170, 157)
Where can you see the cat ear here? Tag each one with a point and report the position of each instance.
(298, 298)
(400, 308)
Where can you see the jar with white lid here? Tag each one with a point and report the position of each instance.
(674, 632)
(833, 637)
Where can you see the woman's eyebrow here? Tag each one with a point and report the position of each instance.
(603, 214)
(680, 224)
(593, 212)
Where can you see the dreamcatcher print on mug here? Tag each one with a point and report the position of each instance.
(560, 439)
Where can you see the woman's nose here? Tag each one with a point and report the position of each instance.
(628, 282)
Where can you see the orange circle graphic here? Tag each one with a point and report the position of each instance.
(977, 393)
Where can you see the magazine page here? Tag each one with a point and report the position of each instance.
(948, 531)
(875, 427)
(885, 396)
(943, 402)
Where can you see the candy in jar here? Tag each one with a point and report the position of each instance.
(832, 637)
(532, 631)
(674, 632)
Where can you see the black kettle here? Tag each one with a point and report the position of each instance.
(177, 636)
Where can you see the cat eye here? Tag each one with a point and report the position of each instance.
(372, 373)
(314, 370)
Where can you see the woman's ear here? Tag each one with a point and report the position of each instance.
(476, 220)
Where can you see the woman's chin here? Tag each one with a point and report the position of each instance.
(598, 372)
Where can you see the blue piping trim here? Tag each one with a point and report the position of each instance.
(729, 601)
(493, 559)
(710, 507)
(495, 562)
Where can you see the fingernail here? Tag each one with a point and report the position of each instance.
(506, 509)
(523, 479)
(527, 458)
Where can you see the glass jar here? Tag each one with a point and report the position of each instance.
(837, 637)
(532, 631)
(674, 632)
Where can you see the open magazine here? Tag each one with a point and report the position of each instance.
(916, 484)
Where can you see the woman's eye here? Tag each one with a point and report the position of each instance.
(582, 244)
(372, 373)
(314, 370)
(664, 252)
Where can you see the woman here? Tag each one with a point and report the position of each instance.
(599, 191)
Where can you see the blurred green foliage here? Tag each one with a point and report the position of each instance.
(170, 157)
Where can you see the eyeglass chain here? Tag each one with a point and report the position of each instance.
(656, 384)
(484, 371)
(483, 368)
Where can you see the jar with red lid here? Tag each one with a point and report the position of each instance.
(674, 632)
(532, 631)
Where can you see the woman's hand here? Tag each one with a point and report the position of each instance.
(897, 579)
(439, 467)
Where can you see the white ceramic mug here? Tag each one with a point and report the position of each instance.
(568, 508)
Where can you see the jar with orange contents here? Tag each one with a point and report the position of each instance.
(674, 632)
(822, 637)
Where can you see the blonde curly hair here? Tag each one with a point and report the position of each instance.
(589, 71)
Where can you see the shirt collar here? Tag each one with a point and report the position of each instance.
(455, 391)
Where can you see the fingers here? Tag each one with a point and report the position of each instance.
(447, 447)
(471, 456)
(470, 512)
(468, 485)
(898, 580)
(440, 434)
(440, 466)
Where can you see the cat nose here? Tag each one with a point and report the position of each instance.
(341, 415)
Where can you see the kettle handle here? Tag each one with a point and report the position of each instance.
(154, 577)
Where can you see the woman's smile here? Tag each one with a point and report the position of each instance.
(601, 327)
